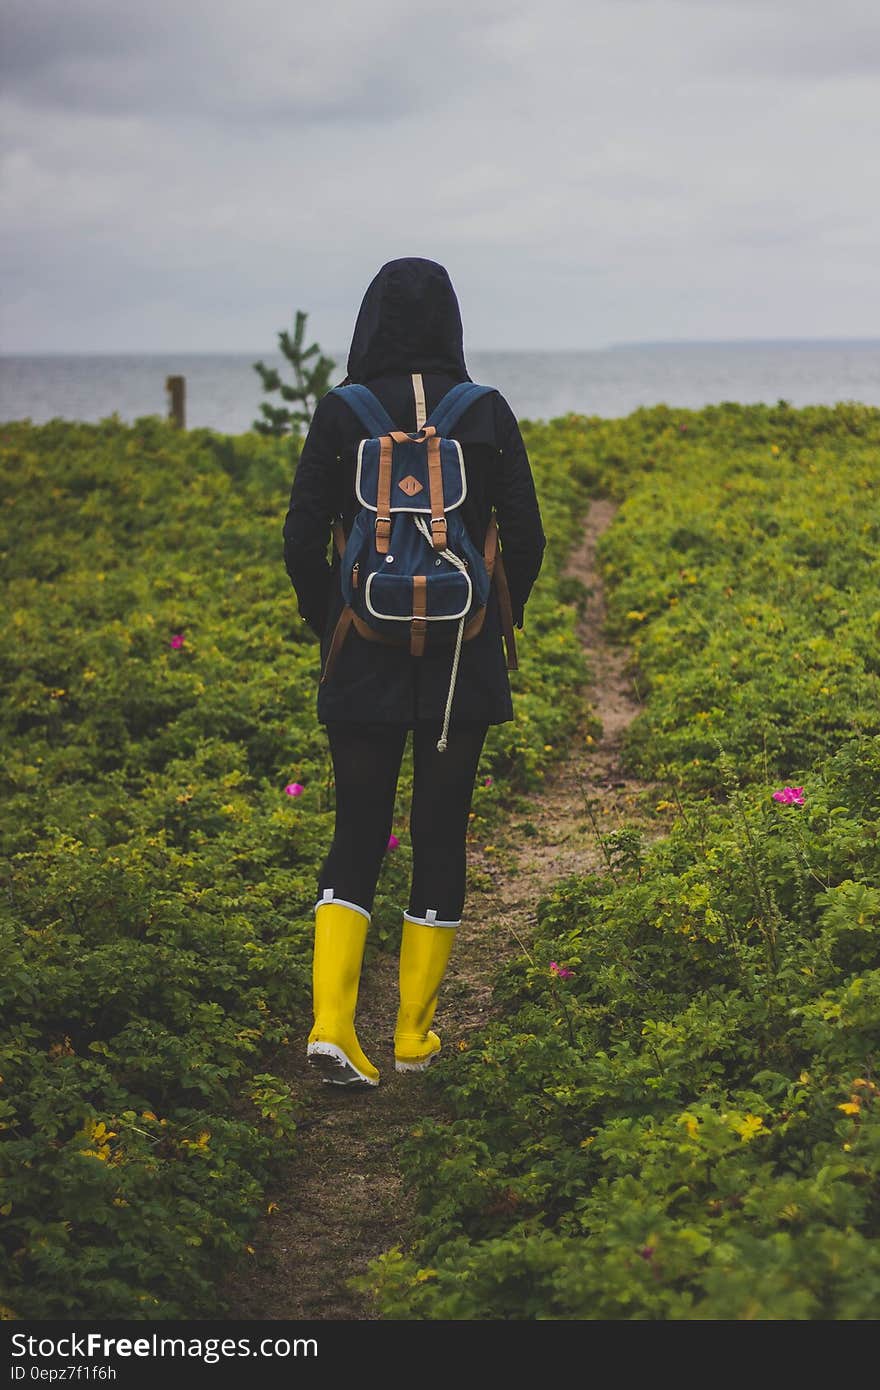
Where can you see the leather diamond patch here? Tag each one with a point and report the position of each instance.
(410, 485)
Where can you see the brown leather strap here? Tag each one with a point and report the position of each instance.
(435, 484)
(419, 627)
(339, 541)
(505, 612)
(340, 632)
(364, 630)
(490, 545)
(474, 624)
(495, 567)
(401, 437)
(383, 496)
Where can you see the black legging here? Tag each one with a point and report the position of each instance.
(366, 764)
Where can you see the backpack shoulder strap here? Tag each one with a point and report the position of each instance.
(367, 407)
(456, 401)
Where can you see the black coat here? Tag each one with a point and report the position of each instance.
(408, 323)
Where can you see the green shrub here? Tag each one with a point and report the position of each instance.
(678, 1113)
(158, 881)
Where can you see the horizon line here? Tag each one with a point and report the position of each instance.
(505, 351)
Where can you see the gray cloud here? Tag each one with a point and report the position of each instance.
(803, 44)
(186, 174)
(227, 62)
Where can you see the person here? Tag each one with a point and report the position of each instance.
(407, 347)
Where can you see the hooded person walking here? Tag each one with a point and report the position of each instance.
(407, 351)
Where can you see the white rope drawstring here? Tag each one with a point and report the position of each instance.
(441, 742)
(459, 565)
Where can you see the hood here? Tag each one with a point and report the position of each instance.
(409, 321)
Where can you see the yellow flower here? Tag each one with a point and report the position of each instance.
(850, 1107)
(691, 1124)
(200, 1143)
(99, 1136)
(749, 1127)
(635, 616)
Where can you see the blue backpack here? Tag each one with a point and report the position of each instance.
(411, 574)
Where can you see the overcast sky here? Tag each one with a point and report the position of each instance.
(184, 174)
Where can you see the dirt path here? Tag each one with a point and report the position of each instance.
(345, 1201)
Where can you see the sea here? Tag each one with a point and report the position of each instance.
(223, 391)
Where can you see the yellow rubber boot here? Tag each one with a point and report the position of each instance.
(424, 956)
(333, 1047)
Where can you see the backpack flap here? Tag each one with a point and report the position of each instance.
(410, 489)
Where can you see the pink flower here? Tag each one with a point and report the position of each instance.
(487, 781)
(790, 796)
(561, 971)
(294, 789)
(393, 842)
(177, 640)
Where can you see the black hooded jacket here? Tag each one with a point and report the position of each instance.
(410, 322)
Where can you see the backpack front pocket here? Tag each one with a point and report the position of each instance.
(392, 597)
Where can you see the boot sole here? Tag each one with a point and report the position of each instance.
(333, 1066)
(415, 1066)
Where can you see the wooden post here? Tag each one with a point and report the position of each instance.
(176, 388)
